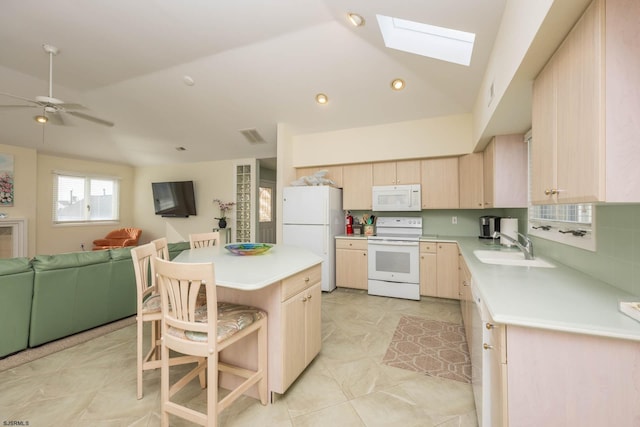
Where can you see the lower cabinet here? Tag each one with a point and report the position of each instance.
(439, 269)
(351, 263)
(466, 296)
(301, 331)
(447, 270)
(428, 269)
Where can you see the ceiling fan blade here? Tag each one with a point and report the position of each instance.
(70, 106)
(55, 119)
(18, 106)
(90, 118)
(19, 97)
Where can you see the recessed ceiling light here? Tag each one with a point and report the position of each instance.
(397, 84)
(355, 19)
(321, 98)
(188, 80)
(41, 119)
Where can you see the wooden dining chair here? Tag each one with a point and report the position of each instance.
(148, 310)
(204, 331)
(162, 248)
(201, 240)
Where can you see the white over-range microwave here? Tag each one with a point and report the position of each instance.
(396, 197)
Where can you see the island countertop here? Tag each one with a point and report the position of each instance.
(252, 272)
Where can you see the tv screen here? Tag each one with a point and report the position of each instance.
(175, 199)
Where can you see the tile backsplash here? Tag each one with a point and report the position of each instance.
(617, 256)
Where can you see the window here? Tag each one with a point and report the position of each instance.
(78, 198)
(570, 224)
(265, 204)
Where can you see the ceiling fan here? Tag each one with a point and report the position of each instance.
(54, 108)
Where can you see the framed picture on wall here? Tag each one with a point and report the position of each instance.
(6, 180)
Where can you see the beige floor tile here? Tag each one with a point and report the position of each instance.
(342, 415)
(94, 383)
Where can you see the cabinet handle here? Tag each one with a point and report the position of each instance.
(489, 326)
(487, 346)
(309, 297)
(304, 299)
(464, 283)
(550, 192)
(306, 280)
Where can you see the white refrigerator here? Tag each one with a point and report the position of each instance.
(312, 216)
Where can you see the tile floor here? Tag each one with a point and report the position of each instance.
(94, 383)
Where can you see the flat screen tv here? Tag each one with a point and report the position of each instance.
(174, 199)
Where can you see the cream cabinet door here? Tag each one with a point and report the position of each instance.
(293, 338)
(471, 181)
(396, 173)
(447, 270)
(351, 263)
(428, 274)
(302, 331)
(544, 135)
(384, 173)
(505, 172)
(440, 183)
(580, 148)
(408, 172)
(313, 322)
(356, 189)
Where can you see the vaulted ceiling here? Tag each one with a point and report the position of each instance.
(253, 64)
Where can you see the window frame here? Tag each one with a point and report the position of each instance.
(88, 179)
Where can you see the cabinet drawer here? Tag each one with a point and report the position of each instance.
(299, 281)
(360, 244)
(429, 247)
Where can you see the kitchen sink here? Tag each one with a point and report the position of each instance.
(510, 258)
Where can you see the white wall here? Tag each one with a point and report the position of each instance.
(433, 137)
(212, 180)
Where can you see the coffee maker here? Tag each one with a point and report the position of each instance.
(488, 225)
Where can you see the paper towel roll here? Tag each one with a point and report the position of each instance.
(508, 226)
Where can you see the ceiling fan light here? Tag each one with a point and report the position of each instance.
(322, 99)
(355, 19)
(41, 119)
(397, 84)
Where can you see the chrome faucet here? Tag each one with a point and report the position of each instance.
(527, 249)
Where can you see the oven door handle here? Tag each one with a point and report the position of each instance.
(391, 243)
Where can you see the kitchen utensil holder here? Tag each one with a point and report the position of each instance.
(368, 229)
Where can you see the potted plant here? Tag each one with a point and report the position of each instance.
(224, 208)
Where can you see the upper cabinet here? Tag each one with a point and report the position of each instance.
(356, 190)
(396, 173)
(334, 173)
(439, 183)
(505, 172)
(585, 119)
(471, 181)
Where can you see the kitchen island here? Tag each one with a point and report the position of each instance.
(558, 350)
(286, 283)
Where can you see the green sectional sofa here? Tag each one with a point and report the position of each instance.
(53, 296)
(16, 292)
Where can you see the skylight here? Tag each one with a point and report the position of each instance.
(427, 40)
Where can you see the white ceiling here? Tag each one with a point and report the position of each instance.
(255, 64)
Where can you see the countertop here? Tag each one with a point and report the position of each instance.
(560, 298)
(252, 272)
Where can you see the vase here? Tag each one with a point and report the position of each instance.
(222, 223)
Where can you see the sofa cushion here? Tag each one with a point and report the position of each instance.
(121, 253)
(69, 260)
(14, 265)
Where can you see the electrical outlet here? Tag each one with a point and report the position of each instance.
(454, 220)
